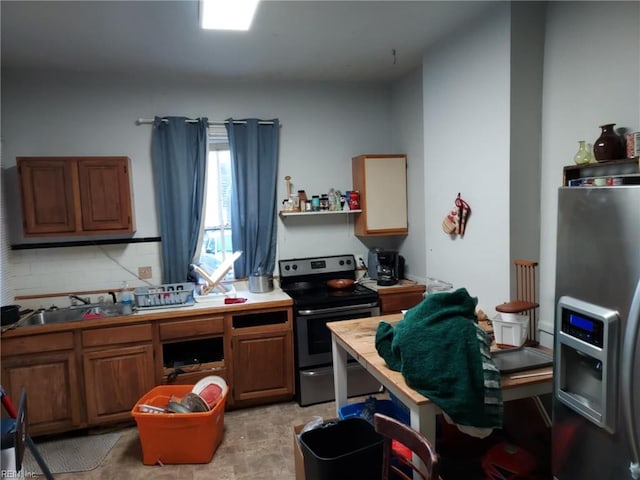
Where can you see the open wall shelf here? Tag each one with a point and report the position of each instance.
(285, 213)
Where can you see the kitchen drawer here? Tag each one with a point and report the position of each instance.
(195, 327)
(37, 343)
(398, 302)
(117, 335)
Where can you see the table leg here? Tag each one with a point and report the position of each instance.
(339, 374)
(423, 419)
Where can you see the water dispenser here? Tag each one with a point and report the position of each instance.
(586, 360)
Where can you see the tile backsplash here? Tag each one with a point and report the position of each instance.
(66, 270)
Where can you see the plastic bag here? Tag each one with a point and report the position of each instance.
(315, 422)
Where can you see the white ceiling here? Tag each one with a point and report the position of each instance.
(289, 40)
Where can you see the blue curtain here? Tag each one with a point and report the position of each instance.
(179, 154)
(254, 167)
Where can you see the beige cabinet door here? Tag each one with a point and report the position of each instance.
(382, 182)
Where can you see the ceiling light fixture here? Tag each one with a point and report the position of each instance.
(227, 14)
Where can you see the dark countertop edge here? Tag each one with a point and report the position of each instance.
(84, 243)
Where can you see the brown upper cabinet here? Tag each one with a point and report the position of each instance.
(64, 196)
(382, 183)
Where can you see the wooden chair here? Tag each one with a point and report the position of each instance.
(525, 295)
(392, 429)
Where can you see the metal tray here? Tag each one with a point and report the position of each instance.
(518, 359)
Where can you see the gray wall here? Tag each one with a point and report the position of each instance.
(49, 113)
(466, 142)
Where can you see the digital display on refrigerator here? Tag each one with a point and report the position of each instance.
(582, 326)
(581, 322)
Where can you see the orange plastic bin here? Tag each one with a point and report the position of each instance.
(170, 438)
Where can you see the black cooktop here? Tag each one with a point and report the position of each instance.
(321, 296)
(304, 280)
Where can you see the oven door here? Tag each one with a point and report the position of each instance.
(313, 338)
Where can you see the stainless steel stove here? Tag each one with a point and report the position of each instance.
(316, 304)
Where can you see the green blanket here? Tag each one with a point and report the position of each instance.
(444, 355)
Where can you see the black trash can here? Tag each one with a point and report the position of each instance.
(342, 450)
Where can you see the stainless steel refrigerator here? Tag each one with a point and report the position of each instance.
(596, 398)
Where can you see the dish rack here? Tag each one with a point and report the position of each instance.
(166, 295)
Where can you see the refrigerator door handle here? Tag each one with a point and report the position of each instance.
(629, 352)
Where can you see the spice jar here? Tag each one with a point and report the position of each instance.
(315, 203)
(324, 202)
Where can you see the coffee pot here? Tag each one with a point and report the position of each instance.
(385, 266)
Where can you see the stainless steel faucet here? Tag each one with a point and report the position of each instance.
(73, 298)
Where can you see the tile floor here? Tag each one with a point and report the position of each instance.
(257, 445)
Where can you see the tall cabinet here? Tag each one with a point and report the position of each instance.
(382, 183)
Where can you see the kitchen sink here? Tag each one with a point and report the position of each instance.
(74, 314)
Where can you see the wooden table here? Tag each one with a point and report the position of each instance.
(357, 338)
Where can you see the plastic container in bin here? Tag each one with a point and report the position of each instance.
(173, 438)
(342, 450)
(386, 407)
(510, 329)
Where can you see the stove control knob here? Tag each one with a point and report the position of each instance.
(287, 268)
(295, 267)
(341, 262)
(348, 262)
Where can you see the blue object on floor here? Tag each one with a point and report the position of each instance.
(373, 405)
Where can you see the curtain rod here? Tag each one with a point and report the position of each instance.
(149, 121)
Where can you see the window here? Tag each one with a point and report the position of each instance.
(216, 237)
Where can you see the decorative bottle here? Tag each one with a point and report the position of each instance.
(581, 156)
(608, 146)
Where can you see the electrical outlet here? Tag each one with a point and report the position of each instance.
(360, 261)
(144, 273)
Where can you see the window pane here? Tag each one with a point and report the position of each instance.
(216, 244)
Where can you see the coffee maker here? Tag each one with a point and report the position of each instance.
(390, 267)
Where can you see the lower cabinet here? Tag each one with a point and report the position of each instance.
(396, 299)
(115, 379)
(119, 368)
(51, 382)
(263, 366)
(192, 348)
(262, 357)
(95, 374)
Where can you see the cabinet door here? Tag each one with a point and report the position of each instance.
(48, 195)
(51, 380)
(115, 379)
(382, 182)
(105, 195)
(262, 366)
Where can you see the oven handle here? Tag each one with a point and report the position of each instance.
(353, 308)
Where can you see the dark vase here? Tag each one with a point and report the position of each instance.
(609, 145)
